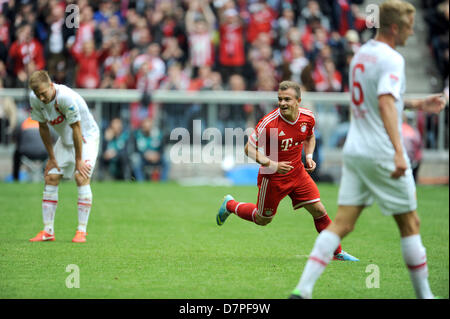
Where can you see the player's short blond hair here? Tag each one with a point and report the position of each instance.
(395, 12)
(290, 85)
(37, 78)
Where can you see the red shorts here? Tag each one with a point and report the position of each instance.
(299, 186)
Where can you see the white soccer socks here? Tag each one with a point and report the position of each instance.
(84, 206)
(49, 204)
(322, 253)
(415, 257)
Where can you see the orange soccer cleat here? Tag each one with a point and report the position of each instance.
(43, 236)
(80, 237)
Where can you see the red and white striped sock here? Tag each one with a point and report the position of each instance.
(243, 210)
(49, 204)
(84, 206)
(415, 257)
(322, 253)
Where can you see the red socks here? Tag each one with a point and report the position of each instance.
(243, 210)
(321, 223)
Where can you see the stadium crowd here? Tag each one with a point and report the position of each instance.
(192, 45)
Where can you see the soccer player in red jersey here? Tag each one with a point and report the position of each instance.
(281, 135)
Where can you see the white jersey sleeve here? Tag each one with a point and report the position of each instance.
(390, 78)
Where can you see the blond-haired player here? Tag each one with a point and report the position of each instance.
(74, 153)
(376, 166)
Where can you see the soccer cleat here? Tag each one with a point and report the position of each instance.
(43, 236)
(344, 256)
(295, 295)
(80, 237)
(223, 213)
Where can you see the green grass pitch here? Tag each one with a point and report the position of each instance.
(161, 241)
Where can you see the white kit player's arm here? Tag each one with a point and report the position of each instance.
(388, 113)
(431, 104)
(80, 166)
(46, 137)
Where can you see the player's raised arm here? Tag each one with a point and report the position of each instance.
(388, 113)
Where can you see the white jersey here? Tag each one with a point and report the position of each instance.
(376, 69)
(65, 109)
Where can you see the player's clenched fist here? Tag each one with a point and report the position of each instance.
(284, 167)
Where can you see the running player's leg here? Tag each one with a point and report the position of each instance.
(353, 197)
(262, 213)
(306, 194)
(321, 218)
(414, 253)
(324, 247)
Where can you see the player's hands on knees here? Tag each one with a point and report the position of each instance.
(310, 165)
(400, 166)
(51, 163)
(83, 168)
(284, 167)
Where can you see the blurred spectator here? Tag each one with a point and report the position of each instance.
(147, 158)
(55, 50)
(327, 78)
(297, 63)
(437, 18)
(174, 114)
(8, 117)
(86, 31)
(149, 68)
(262, 18)
(172, 53)
(106, 10)
(413, 143)
(343, 18)
(313, 11)
(28, 144)
(284, 23)
(26, 54)
(200, 24)
(89, 61)
(235, 115)
(114, 159)
(231, 47)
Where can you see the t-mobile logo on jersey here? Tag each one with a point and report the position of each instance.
(286, 143)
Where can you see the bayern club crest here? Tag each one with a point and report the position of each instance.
(303, 127)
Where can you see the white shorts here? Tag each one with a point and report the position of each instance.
(365, 180)
(65, 157)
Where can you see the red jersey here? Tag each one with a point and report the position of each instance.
(260, 22)
(282, 140)
(231, 49)
(24, 53)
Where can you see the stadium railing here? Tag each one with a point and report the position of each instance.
(96, 99)
(324, 105)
